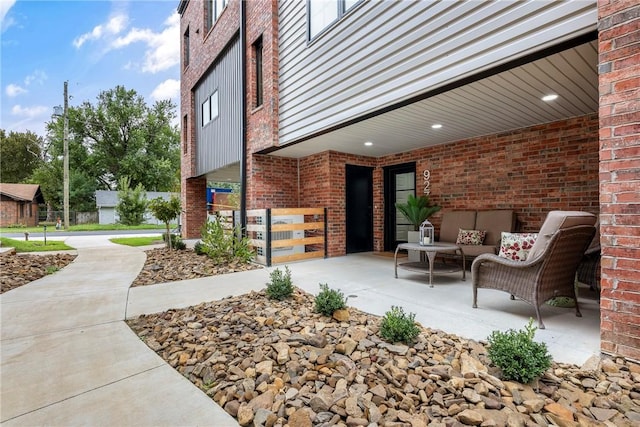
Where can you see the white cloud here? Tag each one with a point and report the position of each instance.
(35, 111)
(168, 89)
(113, 26)
(14, 90)
(38, 76)
(6, 22)
(163, 49)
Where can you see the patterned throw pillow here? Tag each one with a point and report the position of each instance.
(516, 246)
(470, 237)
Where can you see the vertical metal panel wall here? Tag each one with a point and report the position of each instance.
(219, 143)
(383, 52)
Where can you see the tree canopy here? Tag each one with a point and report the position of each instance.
(21, 154)
(128, 138)
(117, 136)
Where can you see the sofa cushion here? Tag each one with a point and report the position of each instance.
(470, 237)
(516, 246)
(452, 221)
(495, 222)
(475, 250)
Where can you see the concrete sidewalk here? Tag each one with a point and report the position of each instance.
(69, 359)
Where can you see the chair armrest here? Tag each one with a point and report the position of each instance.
(501, 262)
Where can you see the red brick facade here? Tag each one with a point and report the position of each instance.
(13, 212)
(619, 52)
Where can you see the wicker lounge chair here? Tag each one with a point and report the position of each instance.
(550, 268)
(589, 268)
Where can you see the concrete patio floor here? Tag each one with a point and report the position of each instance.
(68, 358)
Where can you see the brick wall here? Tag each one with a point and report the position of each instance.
(619, 57)
(532, 170)
(272, 182)
(10, 213)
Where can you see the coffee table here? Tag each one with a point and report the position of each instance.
(430, 251)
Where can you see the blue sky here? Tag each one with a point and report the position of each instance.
(94, 45)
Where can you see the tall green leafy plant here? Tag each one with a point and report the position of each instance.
(417, 209)
(132, 202)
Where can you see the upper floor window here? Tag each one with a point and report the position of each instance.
(210, 108)
(322, 13)
(213, 10)
(185, 47)
(257, 52)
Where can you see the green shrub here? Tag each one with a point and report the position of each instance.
(224, 246)
(397, 326)
(518, 356)
(132, 202)
(280, 286)
(199, 248)
(329, 300)
(176, 241)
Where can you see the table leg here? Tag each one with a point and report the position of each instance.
(431, 255)
(464, 267)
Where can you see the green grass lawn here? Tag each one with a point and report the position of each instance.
(84, 227)
(34, 245)
(137, 241)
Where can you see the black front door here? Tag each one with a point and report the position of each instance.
(399, 182)
(359, 208)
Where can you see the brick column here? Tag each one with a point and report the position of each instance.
(194, 207)
(619, 68)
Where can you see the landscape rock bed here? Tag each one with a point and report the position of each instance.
(164, 265)
(18, 270)
(277, 363)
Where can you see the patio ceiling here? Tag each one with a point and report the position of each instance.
(506, 101)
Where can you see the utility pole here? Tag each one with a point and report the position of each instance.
(65, 143)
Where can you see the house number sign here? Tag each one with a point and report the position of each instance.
(426, 176)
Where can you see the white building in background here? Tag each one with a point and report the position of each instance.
(106, 202)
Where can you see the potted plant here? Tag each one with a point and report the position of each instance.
(416, 210)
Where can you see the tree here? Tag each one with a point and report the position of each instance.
(21, 154)
(128, 138)
(166, 211)
(132, 202)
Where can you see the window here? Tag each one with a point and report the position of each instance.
(185, 134)
(210, 109)
(212, 10)
(185, 46)
(322, 13)
(257, 52)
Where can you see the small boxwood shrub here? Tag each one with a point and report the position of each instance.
(329, 300)
(199, 248)
(280, 287)
(397, 326)
(518, 356)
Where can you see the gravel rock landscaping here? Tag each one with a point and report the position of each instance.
(18, 270)
(277, 363)
(164, 265)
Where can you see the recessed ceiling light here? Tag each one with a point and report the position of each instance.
(436, 126)
(549, 97)
(368, 143)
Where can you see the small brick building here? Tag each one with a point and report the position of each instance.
(19, 204)
(338, 108)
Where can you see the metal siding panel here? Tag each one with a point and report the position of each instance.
(219, 143)
(384, 52)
